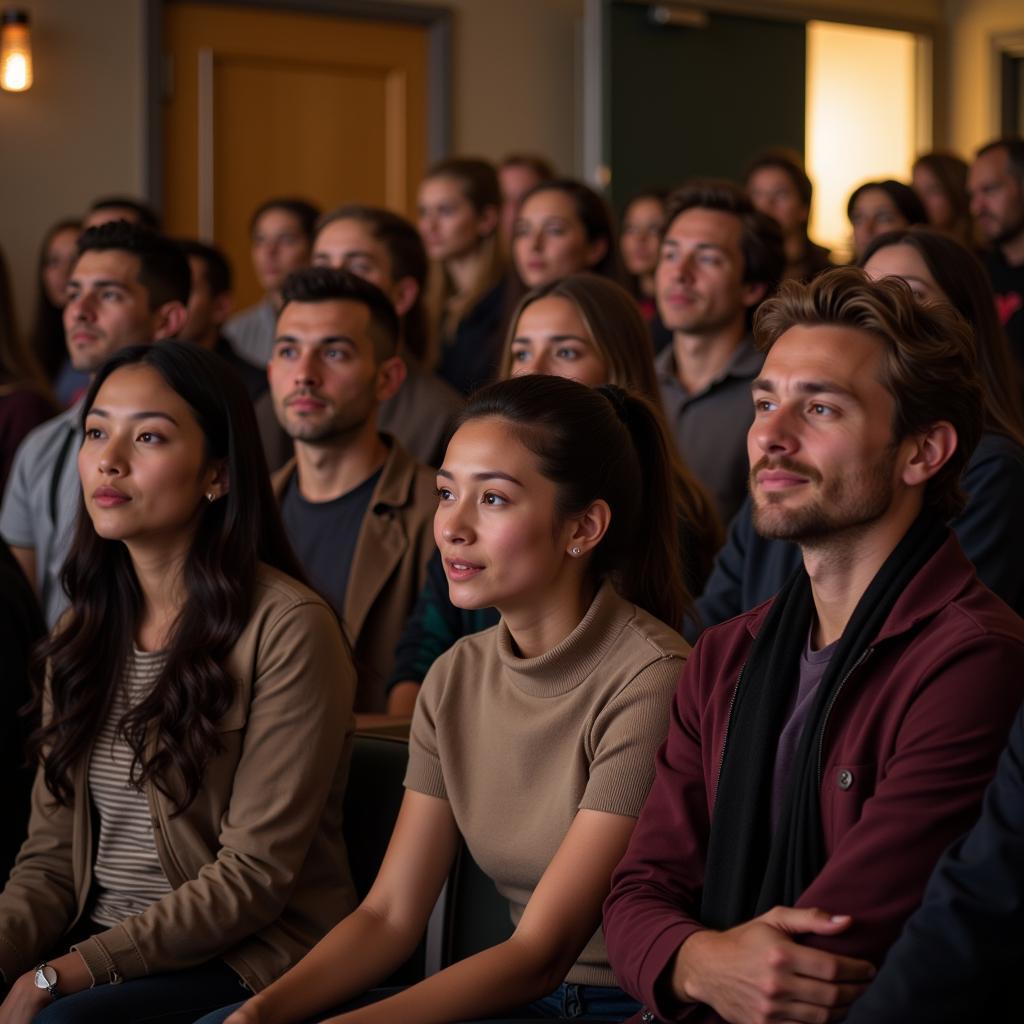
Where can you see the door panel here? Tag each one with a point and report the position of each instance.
(268, 103)
(684, 101)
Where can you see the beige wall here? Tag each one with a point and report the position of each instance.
(974, 117)
(77, 132)
(514, 77)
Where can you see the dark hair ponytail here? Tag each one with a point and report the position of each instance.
(603, 443)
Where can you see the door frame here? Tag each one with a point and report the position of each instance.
(596, 131)
(437, 20)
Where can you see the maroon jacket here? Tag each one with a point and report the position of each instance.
(912, 742)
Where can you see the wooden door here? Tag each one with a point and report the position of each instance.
(697, 101)
(268, 103)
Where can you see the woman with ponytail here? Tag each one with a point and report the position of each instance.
(185, 835)
(586, 328)
(534, 740)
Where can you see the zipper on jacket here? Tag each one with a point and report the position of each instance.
(728, 726)
(832, 700)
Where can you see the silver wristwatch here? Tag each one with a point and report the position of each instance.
(46, 977)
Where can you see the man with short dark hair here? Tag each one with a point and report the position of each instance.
(281, 231)
(128, 286)
(825, 747)
(209, 306)
(719, 259)
(996, 186)
(358, 509)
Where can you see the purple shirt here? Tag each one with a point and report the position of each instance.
(812, 668)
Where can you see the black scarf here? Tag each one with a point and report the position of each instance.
(748, 870)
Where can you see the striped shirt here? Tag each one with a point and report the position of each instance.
(127, 872)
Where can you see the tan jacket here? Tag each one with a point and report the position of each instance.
(256, 862)
(395, 542)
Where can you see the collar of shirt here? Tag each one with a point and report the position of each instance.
(745, 364)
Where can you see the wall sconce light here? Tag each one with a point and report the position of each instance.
(15, 51)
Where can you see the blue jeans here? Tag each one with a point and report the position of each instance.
(568, 1002)
(175, 998)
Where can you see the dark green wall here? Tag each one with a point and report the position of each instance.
(698, 101)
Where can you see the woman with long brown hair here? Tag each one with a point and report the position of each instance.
(459, 209)
(185, 835)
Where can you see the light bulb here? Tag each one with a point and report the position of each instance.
(15, 52)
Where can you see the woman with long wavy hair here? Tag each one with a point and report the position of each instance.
(185, 834)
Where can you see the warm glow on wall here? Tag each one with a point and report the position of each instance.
(15, 51)
(863, 118)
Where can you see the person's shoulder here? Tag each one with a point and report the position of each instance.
(654, 636)
(41, 438)
(277, 593)
(976, 614)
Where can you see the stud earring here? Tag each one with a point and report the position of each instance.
(575, 551)
(209, 497)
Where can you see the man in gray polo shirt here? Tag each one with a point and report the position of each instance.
(719, 259)
(129, 286)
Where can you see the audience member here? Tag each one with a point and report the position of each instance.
(997, 205)
(564, 227)
(719, 258)
(459, 207)
(56, 258)
(517, 174)
(24, 394)
(209, 305)
(534, 740)
(197, 721)
(386, 250)
(940, 181)
(128, 286)
(880, 206)
(958, 956)
(643, 223)
(810, 737)
(751, 568)
(111, 208)
(779, 186)
(21, 628)
(282, 237)
(358, 509)
(585, 328)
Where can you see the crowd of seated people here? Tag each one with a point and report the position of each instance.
(481, 478)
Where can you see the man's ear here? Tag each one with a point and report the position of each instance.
(752, 292)
(588, 529)
(168, 320)
(223, 305)
(390, 377)
(404, 294)
(930, 451)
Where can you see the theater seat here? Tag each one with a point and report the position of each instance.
(471, 916)
(372, 802)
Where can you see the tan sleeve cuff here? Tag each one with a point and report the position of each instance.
(111, 957)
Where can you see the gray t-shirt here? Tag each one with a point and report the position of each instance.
(812, 670)
(324, 535)
(710, 426)
(251, 333)
(41, 501)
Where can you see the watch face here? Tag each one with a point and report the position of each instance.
(46, 977)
